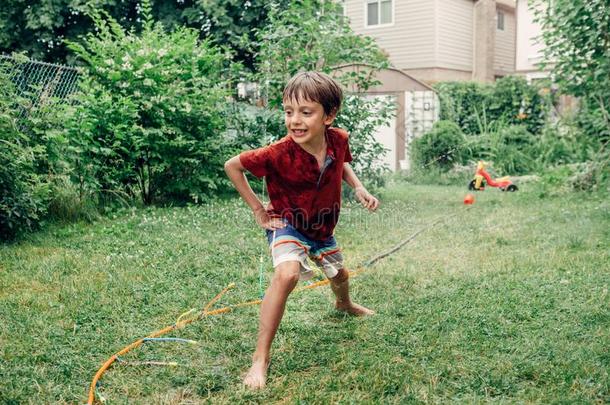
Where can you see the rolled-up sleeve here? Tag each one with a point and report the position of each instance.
(256, 161)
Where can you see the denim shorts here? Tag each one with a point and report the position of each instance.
(288, 244)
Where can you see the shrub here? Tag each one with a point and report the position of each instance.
(443, 146)
(149, 117)
(516, 151)
(590, 176)
(592, 120)
(24, 192)
(515, 102)
(512, 149)
(482, 108)
(463, 103)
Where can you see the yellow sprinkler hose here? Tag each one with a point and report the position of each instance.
(180, 324)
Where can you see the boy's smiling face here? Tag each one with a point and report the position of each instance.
(306, 121)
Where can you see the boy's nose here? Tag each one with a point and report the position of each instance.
(296, 119)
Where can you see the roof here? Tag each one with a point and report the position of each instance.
(505, 3)
(391, 79)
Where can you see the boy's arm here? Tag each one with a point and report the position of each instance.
(236, 172)
(365, 198)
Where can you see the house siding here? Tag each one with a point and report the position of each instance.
(410, 40)
(437, 40)
(455, 34)
(530, 49)
(504, 58)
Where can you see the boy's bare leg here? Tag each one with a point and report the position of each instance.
(340, 286)
(284, 280)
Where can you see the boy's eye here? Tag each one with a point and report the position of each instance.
(306, 112)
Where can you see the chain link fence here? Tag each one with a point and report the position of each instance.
(38, 84)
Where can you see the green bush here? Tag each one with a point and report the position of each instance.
(463, 103)
(442, 147)
(589, 176)
(515, 151)
(24, 192)
(481, 108)
(515, 102)
(24, 195)
(512, 149)
(591, 119)
(564, 143)
(149, 120)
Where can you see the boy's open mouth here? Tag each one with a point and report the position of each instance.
(299, 132)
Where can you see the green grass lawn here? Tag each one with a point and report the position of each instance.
(504, 302)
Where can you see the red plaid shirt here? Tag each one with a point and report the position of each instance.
(307, 197)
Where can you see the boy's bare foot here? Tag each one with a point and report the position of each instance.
(354, 309)
(256, 377)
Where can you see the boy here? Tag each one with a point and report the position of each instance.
(303, 171)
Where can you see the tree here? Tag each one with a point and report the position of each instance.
(40, 27)
(233, 23)
(576, 34)
(314, 35)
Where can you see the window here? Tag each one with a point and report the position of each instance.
(500, 18)
(378, 12)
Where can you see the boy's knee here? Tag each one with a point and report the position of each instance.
(342, 276)
(287, 273)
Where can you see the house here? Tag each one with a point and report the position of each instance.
(415, 104)
(440, 40)
(530, 49)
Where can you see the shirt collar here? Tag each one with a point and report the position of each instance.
(330, 146)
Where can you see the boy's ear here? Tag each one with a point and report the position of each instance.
(330, 117)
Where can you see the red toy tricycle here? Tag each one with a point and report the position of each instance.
(481, 176)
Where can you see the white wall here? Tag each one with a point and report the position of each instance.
(529, 48)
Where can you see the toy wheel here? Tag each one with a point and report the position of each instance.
(471, 185)
(512, 188)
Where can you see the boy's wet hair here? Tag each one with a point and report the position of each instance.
(315, 86)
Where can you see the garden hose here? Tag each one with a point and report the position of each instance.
(180, 323)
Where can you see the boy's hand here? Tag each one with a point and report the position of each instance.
(264, 220)
(366, 199)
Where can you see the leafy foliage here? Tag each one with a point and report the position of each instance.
(361, 117)
(476, 107)
(233, 23)
(514, 150)
(24, 191)
(310, 35)
(41, 27)
(515, 102)
(441, 146)
(462, 103)
(148, 119)
(576, 34)
(313, 35)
